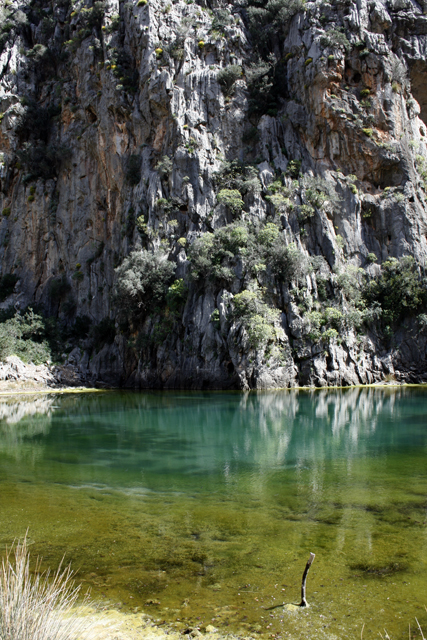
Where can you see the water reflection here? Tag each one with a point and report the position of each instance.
(171, 494)
(123, 436)
(14, 410)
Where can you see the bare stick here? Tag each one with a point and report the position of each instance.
(421, 631)
(361, 633)
(303, 602)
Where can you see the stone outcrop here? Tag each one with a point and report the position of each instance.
(16, 374)
(114, 129)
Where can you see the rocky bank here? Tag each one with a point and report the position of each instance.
(218, 195)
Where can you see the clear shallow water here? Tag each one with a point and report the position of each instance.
(208, 504)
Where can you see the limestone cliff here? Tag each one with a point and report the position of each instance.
(230, 195)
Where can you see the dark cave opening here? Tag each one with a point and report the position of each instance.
(418, 75)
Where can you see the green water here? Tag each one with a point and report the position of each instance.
(208, 504)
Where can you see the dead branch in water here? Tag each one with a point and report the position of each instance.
(303, 602)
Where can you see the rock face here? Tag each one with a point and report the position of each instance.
(15, 372)
(283, 176)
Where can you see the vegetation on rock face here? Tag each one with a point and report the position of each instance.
(228, 76)
(399, 290)
(232, 199)
(25, 336)
(142, 280)
(256, 317)
(214, 255)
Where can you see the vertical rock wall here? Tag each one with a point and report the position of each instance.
(95, 96)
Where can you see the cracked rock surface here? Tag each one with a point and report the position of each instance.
(116, 128)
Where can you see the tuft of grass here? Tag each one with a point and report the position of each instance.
(38, 606)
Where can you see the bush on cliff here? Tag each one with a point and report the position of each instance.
(25, 336)
(227, 78)
(400, 290)
(256, 317)
(287, 262)
(213, 255)
(142, 281)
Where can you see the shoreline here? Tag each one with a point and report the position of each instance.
(109, 623)
(18, 378)
(21, 389)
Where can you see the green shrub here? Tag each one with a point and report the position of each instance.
(216, 319)
(268, 234)
(176, 48)
(6, 212)
(279, 202)
(318, 191)
(7, 285)
(35, 122)
(294, 168)
(333, 316)
(271, 19)
(238, 175)
(305, 212)
(142, 280)
(42, 160)
(371, 258)
(256, 317)
(399, 289)
(177, 295)
(23, 336)
(263, 87)
(286, 261)
(78, 276)
(232, 199)
(349, 280)
(164, 166)
(213, 255)
(329, 334)
(336, 38)
(227, 77)
(221, 20)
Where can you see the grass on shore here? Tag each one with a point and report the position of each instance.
(37, 606)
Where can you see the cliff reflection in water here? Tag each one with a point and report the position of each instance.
(212, 433)
(201, 493)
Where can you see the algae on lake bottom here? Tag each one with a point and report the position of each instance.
(201, 508)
